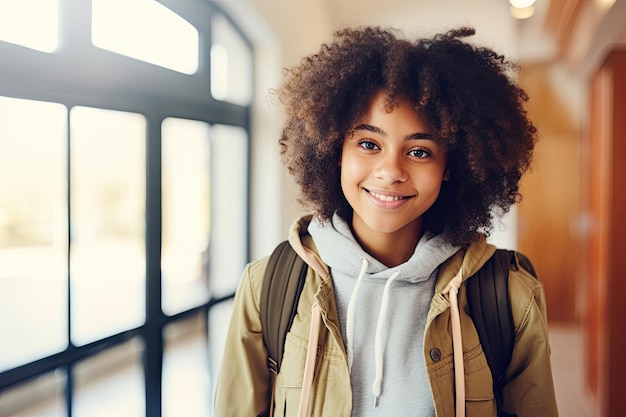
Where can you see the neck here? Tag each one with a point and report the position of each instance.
(391, 249)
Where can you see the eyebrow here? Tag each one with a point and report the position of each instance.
(379, 131)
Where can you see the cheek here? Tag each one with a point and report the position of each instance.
(436, 184)
(344, 177)
(351, 169)
(352, 174)
(430, 182)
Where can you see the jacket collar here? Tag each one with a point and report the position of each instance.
(469, 261)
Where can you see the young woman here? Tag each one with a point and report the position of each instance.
(403, 150)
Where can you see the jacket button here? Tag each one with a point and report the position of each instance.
(435, 354)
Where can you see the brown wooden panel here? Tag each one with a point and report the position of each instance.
(616, 285)
(547, 215)
(605, 336)
(596, 254)
(551, 204)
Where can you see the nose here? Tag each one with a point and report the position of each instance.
(390, 168)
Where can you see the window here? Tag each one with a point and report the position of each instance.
(30, 23)
(108, 194)
(230, 156)
(230, 63)
(123, 203)
(145, 30)
(33, 230)
(187, 213)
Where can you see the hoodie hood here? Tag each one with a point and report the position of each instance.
(342, 253)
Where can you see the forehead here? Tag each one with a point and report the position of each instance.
(396, 116)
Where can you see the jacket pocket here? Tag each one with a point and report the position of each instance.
(289, 380)
(479, 398)
(331, 395)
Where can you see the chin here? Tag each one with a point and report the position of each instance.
(378, 225)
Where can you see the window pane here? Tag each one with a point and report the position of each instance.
(30, 23)
(186, 213)
(145, 30)
(219, 319)
(108, 192)
(231, 64)
(229, 216)
(186, 391)
(33, 230)
(39, 397)
(111, 383)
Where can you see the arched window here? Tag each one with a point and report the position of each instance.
(124, 155)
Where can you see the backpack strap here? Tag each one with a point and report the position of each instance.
(488, 302)
(280, 292)
(490, 309)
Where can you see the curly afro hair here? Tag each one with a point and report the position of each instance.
(466, 95)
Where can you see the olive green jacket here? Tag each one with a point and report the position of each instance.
(245, 382)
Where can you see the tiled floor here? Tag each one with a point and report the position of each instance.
(567, 366)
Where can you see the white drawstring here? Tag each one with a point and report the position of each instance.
(452, 290)
(378, 346)
(352, 312)
(378, 352)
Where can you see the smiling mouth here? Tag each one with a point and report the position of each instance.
(386, 198)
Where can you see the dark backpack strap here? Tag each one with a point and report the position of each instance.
(281, 289)
(488, 302)
(525, 263)
(490, 309)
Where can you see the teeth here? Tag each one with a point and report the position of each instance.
(385, 197)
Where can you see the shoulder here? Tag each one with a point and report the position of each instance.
(467, 259)
(252, 279)
(526, 297)
(256, 271)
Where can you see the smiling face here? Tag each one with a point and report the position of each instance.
(391, 172)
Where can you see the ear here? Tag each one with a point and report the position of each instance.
(446, 175)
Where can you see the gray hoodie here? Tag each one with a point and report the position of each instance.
(382, 313)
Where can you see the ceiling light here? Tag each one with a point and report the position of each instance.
(522, 4)
(523, 12)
